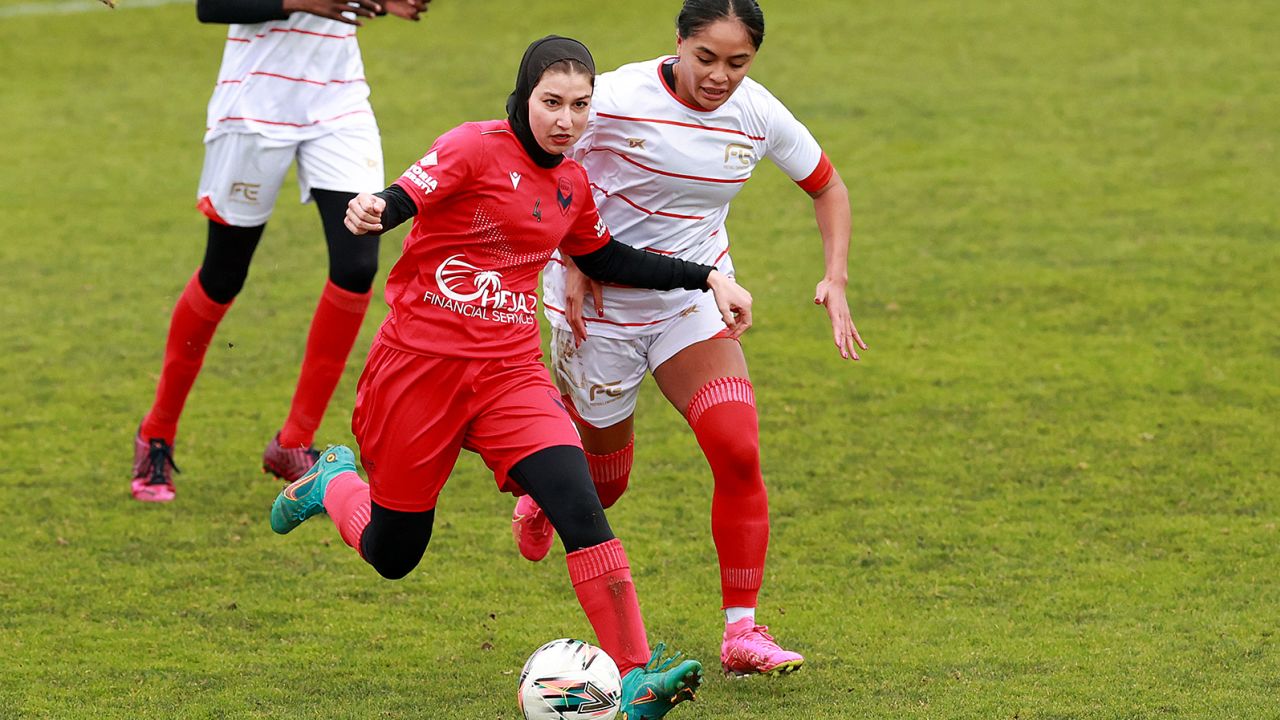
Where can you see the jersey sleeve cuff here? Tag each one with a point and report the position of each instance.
(820, 176)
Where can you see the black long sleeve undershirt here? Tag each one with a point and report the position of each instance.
(621, 264)
(614, 262)
(241, 12)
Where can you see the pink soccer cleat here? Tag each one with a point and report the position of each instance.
(288, 464)
(749, 649)
(531, 529)
(153, 470)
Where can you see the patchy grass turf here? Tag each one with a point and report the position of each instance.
(1048, 492)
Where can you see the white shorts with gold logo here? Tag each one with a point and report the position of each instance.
(602, 377)
(243, 172)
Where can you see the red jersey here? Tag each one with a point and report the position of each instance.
(488, 220)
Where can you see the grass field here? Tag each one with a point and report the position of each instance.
(1049, 490)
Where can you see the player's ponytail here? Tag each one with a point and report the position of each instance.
(697, 14)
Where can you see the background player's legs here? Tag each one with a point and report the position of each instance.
(202, 305)
(196, 315)
(600, 396)
(707, 382)
(353, 263)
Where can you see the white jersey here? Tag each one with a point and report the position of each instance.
(294, 79)
(663, 174)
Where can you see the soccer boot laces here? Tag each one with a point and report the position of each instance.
(153, 470)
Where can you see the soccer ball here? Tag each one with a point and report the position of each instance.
(569, 680)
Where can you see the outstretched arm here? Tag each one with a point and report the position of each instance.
(831, 206)
(622, 264)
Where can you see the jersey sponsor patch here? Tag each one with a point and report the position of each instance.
(422, 179)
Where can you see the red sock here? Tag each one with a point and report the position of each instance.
(333, 332)
(195, 317)
(611, 472)
(347, 502)
(602, 579)
(723, 417)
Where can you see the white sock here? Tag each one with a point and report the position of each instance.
(734, 614)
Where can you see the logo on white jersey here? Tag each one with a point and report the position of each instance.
(422, 179)
(474, 292)
(737, 155)
(515, 180)
(635, 143)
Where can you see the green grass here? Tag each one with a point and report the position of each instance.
(1048, 492)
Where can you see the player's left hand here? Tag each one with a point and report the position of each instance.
(733, 300)
(407, 9)
(830, 293)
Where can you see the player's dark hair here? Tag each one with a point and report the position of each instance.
(697, 14)
(570, 66)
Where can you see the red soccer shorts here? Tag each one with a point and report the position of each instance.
(414, 413)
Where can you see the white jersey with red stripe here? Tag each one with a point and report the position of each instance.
(664, 173)
(293, 79)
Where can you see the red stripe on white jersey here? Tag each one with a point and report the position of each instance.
(292, 124)
(278, 76)
(656, 171)
(646, 210)
(326, 36)
(604, 321)
(679, 124)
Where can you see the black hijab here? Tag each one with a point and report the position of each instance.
(541, 54)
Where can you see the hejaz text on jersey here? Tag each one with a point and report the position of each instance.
(506, 306)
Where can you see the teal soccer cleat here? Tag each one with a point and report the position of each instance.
(649, 692)
(304, 497)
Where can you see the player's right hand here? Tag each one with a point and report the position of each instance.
(407, 9)
(334, 9)
(364, 214)
(733, 300)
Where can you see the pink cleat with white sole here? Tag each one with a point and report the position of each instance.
(749, 649)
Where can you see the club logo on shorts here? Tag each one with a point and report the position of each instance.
(246, 192)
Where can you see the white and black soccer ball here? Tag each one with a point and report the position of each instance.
(569, 680)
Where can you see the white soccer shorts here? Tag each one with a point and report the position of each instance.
(602, 378)
(243, 172)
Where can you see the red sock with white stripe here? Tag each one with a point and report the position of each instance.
(611, 472)
(601, 578)
(195, 318)
(723, 417)
(333, 333)
(347, 502)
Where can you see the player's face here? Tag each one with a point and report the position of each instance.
(713, 62)
(558, 110)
